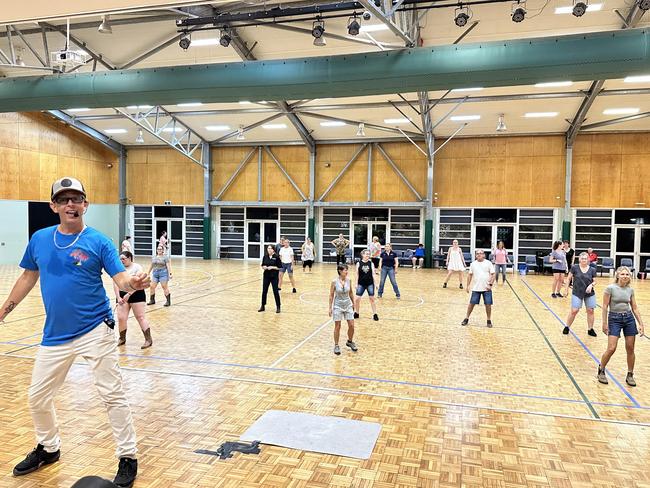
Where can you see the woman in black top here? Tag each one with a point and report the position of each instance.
(584, 282)
(271, 265)
(388, 265)
(365, 282)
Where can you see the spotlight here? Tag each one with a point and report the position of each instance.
(360, 131)
(318, 28)
(644, 5)
(462, 16)
(105, 26)
(240, 133)
(518, 15)
(320, 41)
(139, 139)
(19, 60)
(185, 41)
(579, 9)
(353, 26)
(366, 16)
(225, 38)
(501, 125)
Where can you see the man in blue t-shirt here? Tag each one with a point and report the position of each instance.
(69, 259)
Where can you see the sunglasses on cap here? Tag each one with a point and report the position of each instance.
(63, 200)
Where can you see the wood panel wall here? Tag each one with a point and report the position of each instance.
(156, 175)
(501, 172)
(611, 170)
(36, 150)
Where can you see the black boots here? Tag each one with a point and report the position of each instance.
(169, 300)
(152, 299)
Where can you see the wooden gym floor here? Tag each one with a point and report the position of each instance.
(516, 405)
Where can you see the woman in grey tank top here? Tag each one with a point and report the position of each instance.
(341, 307)
(619, 312)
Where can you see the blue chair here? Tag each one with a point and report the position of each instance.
(531, 263)
(468, 258)
(608, 265)
(629, 263)
(647, 266)
(348, 255)
(547, 264)
(405, 259)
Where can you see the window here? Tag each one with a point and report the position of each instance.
(372, 214)
(631, 217)
(262, 213)
(168, 212)
(495, 215)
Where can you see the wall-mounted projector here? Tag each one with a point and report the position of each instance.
(67, 59)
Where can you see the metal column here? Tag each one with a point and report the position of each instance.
(121, 183)
(206, 157)
(423, 98)
(311, 223)
(566, 220)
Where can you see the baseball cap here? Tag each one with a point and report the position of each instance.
(67, 183)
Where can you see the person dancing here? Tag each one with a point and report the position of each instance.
(340, 308)
(161, 272)
(365, 282)
(271, 264)
(455, 263)
(583, 278)
(132, 300)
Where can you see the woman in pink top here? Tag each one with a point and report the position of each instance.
(500, 260)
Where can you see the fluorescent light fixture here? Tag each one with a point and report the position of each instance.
(373, 28)
(173, 129)
(78, 109)
(274, 126)
(217, 128)
(396, 121)
(534, 115)
(139, 107)
(594, 7)
(332, 123)
(190, 104)
(464, 118)
(212, 41)
(115, 131)
(552, 84)
(637, 79)
(621, 111)
(245, 102)
(478, 88)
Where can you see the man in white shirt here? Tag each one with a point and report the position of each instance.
(481, 273)
(286, 256)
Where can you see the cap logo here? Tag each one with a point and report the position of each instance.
(65, 183)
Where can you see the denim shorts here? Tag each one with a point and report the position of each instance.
(362, 288)
(160, 275)
(476, 297)
(621, 322)
(288, 267)
(576, 302)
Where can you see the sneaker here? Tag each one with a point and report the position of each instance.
(337, 350)
(375, 317)
(553, 295)
(465, 322)
(352, 345)
(35, 459)
(277, 310)
(279, 289)
(592, 333)
(261, 309)
(629, 379)
(489, 324)
(559, 295)
(126, 472)
(294, 291)
(356, 315)
(444, 285)
(460, 286)
(565, 331)
(379, 295)
(602, 377)
(397, 296)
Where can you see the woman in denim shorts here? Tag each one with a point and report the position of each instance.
(161, 272)
(619, 311)
(584, 283)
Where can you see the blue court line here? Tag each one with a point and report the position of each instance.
(376, 380)
(587, 350)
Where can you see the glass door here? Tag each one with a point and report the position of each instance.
(360, 238)
(487, 237)
(259, 234)
(644, 248)
(633, 243)
(378, 230)
(174, 230)
(483, 237)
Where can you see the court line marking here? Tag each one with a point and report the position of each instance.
(377, 395)
(300, 344)
(557, 356)
(584, 346)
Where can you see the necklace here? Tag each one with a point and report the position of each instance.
(69, 245)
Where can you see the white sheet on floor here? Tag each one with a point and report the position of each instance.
(307, 432)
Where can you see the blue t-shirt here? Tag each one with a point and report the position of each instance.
(419, 252)
(71, 281)
(388, 259)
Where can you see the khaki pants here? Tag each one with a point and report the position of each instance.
(98, 348)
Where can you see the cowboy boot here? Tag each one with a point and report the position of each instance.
(122, 340)
(169, 300)
(148, 342)
(152, 299)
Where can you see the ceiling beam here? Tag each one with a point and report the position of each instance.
(632, 19)
(617, 120)
(113, 145)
